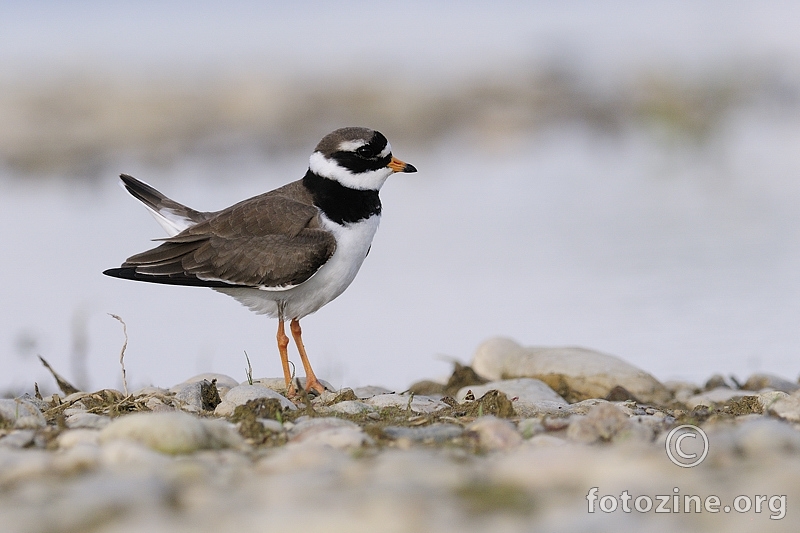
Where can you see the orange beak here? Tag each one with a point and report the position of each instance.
(398, 166)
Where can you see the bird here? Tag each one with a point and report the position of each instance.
(284, 253)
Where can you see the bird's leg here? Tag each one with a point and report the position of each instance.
(312, 383)
(283, 344)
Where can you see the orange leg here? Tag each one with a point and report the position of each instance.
(283, 344)
(312, 383)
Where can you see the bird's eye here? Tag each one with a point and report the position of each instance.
(364, 151)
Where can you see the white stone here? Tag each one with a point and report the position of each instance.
(21, 413)
(787, 407)
(82, 419)
(279, 385)
(602, 422)
(241, 394)
(370, 391)
(759, 382)
(20, 438)
(717, 396)
(766, 436)
(334, 432)
(76, 437)
(495, 433)
(189, 396)
(349, 407)
(224, 382)
(419, 404)
(584, 373)
(173, 433)
(530, 397)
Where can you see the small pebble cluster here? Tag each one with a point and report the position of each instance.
(525, 439)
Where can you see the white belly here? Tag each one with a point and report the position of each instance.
(352, 244)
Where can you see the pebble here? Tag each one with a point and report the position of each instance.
(417, 404)
(20, 438)
(181, 471)
(82, 419)
(173, 433)
(584, 373)
(716, 396)
(601, 423)
(241, 394)
(348, 407)
(21, 414)
(758, 382)
(438, 432)
(495, 433)
(530, 397)
(787, 407)
(368, 392)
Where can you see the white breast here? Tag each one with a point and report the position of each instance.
(352, 244)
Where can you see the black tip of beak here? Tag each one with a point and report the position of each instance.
(409, 168)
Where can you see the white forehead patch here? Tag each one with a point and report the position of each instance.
(351, 146)
(386, 151)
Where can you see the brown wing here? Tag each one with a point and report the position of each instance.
(269, 240)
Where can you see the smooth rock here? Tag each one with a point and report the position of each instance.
(21, 414)
(173, 433)
(224, 382)
(716, 396)
(758, 382)
(530, 397)
(82, 419)
(495, 433)
(601, 423)
(530, 427)
(417, 404)
(21, 438)
(766, 436)
(787, 408)
(769, 398)
(335, 432)
(76, 437)
(574, 373)
(279, 385)
(370, 391)
(348, 407)
(438, 432)
(241, 394)
(546, 441)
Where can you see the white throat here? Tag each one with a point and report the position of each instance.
(365, 181)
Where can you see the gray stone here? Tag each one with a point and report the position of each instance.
(495, 433)
(417, 404)
(370, 391)
(22, 414)
(21, 438)
(279, 384)
(82, 419)
(574, 373)
(766, 436)
(758, 382)
(224, 382)
(173, 433)
(530, 397)
(600, 424)
(716, 396)
(438, 432)
(787, 407)
(348, 407)
(241, 394)
(334, 432)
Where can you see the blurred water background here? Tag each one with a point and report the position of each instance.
(617, 175)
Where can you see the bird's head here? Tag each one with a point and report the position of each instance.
(358, 158)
